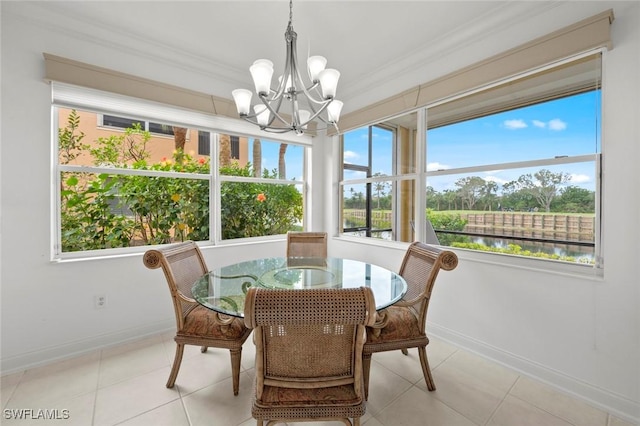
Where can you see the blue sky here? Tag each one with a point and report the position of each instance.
(563, 127)
(270, 152)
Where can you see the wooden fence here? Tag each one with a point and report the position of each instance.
(521, 224)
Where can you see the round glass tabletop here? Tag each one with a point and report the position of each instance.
(223, 289)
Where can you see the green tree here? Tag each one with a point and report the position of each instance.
(447, 222)
(573, 199)
(380, 188)
(70, 144)
(544, 186)
(470, 189)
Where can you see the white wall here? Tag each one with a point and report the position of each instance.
(580, 334)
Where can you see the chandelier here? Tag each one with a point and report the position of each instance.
(300, 104)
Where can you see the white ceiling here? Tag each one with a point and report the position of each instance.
(380, 47)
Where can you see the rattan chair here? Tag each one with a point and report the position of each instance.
(309, 353)
(183, 264)
(306, 244)
(402, 325)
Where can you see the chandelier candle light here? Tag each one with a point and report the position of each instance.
(321, 102)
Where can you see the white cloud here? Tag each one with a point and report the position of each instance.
(515, 124)
(575, 178)
(432, 167)
(539, 123)
(557, 124)
(495, 179)
(350, 155)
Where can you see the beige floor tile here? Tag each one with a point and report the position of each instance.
(384, 387)
(8, 384)
(189, 350)
(171, 414)
(466, 393)
(133, 346)
(615, 421)
(558, 404)
(131, 360)
(372, 421)
(63, 380)
(418, 408)
(216, 404)
(468, 387)
(438, 351)
(204, 370)
(514, 411)
(405, 366)
(490, 372)
(249, 422)
(130, 398)
(77, 411)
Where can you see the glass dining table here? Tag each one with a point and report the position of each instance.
(223, 289)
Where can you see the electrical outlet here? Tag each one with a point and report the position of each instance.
(100, 301)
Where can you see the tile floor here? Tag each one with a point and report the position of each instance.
(125, 385)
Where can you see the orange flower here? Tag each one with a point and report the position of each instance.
(201, 160)
(261, 197)
(175, 198)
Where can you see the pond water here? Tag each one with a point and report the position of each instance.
(580, 253)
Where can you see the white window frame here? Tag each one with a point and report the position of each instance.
(574, 269)
(92, 100)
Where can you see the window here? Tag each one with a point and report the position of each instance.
(379, 180)
(125, 123)
(204, 142)
(263, 196)
(512, 169)
(132, 187)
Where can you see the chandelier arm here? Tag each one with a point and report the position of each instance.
(268, 128)
(316, 114)
(275, 111)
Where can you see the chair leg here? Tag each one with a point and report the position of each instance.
(366, 368)
(428, 378)
(203, 349)
(236, 357)
(405, 351)
(176, 365)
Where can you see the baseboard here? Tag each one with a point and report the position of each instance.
(52, 354)
(617, 405)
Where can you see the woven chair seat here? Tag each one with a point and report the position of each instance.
(402, 324)
(203, 322)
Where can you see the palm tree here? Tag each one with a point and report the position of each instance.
(282, 166)
(225, 150)
(257, 158)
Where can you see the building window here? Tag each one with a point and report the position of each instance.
(204, 142)
(132, 187)
(511, 169)
(125, 123)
